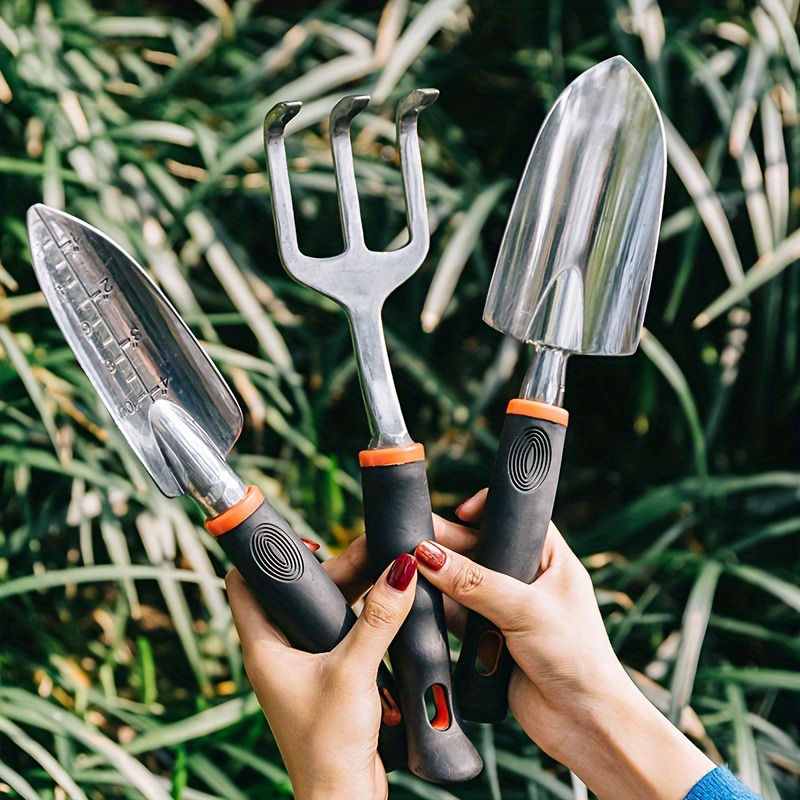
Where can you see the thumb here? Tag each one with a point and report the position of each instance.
(385, 610)
(503, 600)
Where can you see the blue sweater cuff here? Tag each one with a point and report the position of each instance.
(720, 784)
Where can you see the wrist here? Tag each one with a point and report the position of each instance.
(316, 781)
(626, 748)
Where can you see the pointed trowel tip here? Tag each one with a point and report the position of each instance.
(36, 212)
(620, 62)
(615, 67)
(45, 212)
(57, 224)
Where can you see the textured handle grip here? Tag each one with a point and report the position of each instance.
(519, 505)
(304, 602)
(397, 515)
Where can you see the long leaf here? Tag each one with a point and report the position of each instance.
(667, 366)
(693, 632)
(765, 269)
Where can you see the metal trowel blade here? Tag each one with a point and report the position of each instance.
(576, 259)
(129, 340)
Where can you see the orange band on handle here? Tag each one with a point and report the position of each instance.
(237, 514)
(533, 408)
(390, 456)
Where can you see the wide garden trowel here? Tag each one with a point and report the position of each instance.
(572, 276)
(181, 419)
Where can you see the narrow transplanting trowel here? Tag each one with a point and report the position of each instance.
(572, 276)
(181, 419)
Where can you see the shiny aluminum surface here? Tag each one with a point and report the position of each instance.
(129, 340)
(358, 279)
(194, 460)
(575, 264)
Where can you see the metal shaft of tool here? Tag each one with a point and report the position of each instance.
(198, 466)
(545, 378)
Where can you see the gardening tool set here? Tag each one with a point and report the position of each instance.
(572, 276)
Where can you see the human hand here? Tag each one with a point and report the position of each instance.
(324, 709)
(569, 691)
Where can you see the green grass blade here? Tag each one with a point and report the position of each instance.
(667, 366)
(40, 754)
(746, 755)
(527, 768)
(416, 36)
(105, 572)
(17, 783)
(694, 178)
(32, 385)
(693, 632)
(764, 270)
(458, 250)
(783, 590)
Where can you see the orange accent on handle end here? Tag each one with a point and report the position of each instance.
(533, 408)
(441, 722)
(237, 514)
(391, 713)
(390, 456)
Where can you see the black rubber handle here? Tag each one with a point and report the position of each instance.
(305, 603)
(519, 505)
(397, 517)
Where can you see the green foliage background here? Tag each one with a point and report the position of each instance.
(119, 672)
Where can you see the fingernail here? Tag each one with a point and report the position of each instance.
(402, 572)
(431, 555)
(463, 507)
(312, 546)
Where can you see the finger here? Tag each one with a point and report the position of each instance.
(499, 598)
(472, 510)
(456, 616)
(312, 546)
(251, 621)
(385, 609)
(557, 555)
(454, 536)
(350, 570)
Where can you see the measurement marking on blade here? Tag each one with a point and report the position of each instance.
(79, 277)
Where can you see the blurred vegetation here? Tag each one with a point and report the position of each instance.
(119, 672)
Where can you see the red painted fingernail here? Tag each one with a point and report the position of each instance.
(431, 555)
(402, 572)
(312, 546)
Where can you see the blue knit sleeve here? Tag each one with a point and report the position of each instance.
(720, 784)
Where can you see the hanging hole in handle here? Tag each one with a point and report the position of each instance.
(391, 713)
(487, 657)
(437, 707)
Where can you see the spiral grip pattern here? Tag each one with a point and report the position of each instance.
(529, 459)
(519, 505)
(276, 554)
(304, 602)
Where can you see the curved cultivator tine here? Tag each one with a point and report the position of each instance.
(411, 164)
(382, 271)
(274, 124)
(349, 209)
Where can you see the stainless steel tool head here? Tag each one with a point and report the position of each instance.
(358, 277)
(577, 255)
(129, 339)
